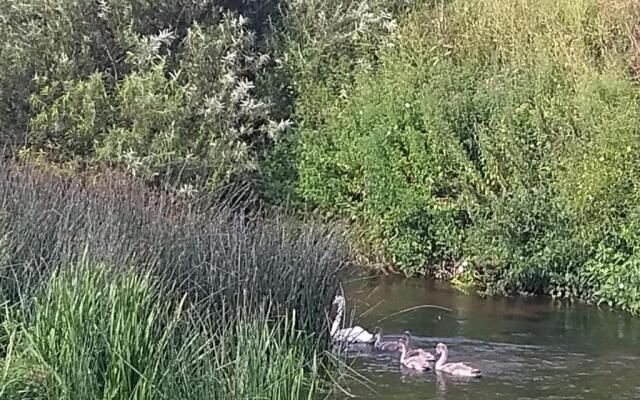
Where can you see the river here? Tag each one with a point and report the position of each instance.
(527, 348)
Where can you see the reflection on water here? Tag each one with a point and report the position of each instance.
(526, 348)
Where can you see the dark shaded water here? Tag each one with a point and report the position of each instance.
(526, 348)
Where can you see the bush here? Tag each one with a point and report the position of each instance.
(392, 160)
(167, 91)
(500, 132)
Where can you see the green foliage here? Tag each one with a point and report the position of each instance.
(268, 360)
(501, 132)
(318, 46)
(70, 123)
(167, 91)
(94, 334)
(112, 290)
(392, 160)
(88, 336)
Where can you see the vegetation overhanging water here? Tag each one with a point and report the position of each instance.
(494, 143)
(503, 133)
(111, 291)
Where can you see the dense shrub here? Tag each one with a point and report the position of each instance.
(392, 160)
(186, 94)
(319, 45)
(167, 91)
(500, 132)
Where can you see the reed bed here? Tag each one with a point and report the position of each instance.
(112, 290)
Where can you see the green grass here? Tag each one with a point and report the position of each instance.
(96, 334)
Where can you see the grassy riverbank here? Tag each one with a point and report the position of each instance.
(112, 291)
(504, 133)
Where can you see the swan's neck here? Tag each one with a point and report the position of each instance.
(336, 322)
(378, 341)
(407, 340)
(442, 360)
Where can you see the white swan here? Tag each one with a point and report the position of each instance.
(354, 334)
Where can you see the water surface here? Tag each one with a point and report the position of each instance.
(527, 348)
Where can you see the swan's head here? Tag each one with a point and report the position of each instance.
(441, 348)
(377, 330)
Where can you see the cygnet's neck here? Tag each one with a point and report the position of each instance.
(403, 352)
(442, 360)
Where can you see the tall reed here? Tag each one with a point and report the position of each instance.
(219, 254)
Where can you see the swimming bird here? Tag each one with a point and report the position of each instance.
(411, 351)
(458, 369)
(384, 345)
(416, 362)
(354, 334)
